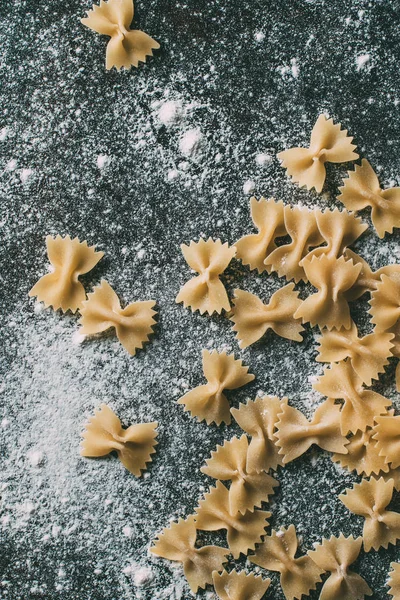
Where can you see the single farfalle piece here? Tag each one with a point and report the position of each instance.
(387, 436)
(239, 586)
(243, 531)
(206, 292)
(360, 407)
(385, 306)
(362, 189)
(394, 581)
(248, 488)
(126, 47)
(328, 143)
(277, 553)
(268, 217)
(301, 225)
(70, 259)
(335, 557)
(252, 318)
(177, 543)
(368, 279)
(368, 355)
(369, 499)
(332, 277)
(362, 455)
(104, 434)
(258, 418)
(295, 434)
(339, 229)
(102, 311)
(208, 402)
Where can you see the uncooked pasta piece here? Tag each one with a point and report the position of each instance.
(243, 531)
(267, 216)
(223, 372)
(248, 488)
(360, 406)
(258, 418)
(394, 581)
(387, 436)
(392, 474)
(103, 434)
(369, 499)
(339, 229)
(362, 455)
(301, 225)
(328, 143)
(368, 355)
(295, 434)
(252, 318)
(362, 189)
(126, 48)
(206, 292)
(332, 277)
(385, 309)
(133, 324)
(70, 259)
(177, 543)
(368, 280)
(239, 586)
(277, 553)
(335, 556)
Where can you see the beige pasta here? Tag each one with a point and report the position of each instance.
(339, 229)
(126, 47)
(362, 455)
(239, 586)
(104, 434)
(206, 292)
(362, 189)
(70, 259)
(102, 311)
(387, 436)
(394, 581)
(208, 402)
(328, 143)
(177, 543)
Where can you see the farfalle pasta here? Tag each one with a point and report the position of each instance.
(295, 434)
(243, 531)
(368, 280)
(394, 581)
(102, 311)
(248, 488)
(268, 217)
(362, 189)
(206, 292)
(70, 259)
(387, 436)
(360, 406)
(258, 418)
(339, 229)
(335, 557)
(239, 586)
(328, 143)
(134, 446)
(252, 318)
(369, 499)
(332, 277)
(362, 455)
(208, 402)
(126, 47)
(177, 543)
(277, 553)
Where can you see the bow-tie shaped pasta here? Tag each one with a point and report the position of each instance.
(70, 259)
(367, 355)
(133, 324)
(301, 225)
(258, 418)
(328, 143)
(387, 436)
(126, 47)
(248, 489)
(268, 217)
(360, 406)
(206, 292)
(295, 434)
(103, 434)
(368, 280)
(239, 586)
(362, 189)
(339, 229)
(277, 553)
(243, 531)
(177, 543)
(370, 499)
(223, 372)
(332, 277)
(394, 581)
(362, 455)
(252, 318)
(335, 556)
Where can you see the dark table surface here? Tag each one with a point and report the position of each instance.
(88, 153)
